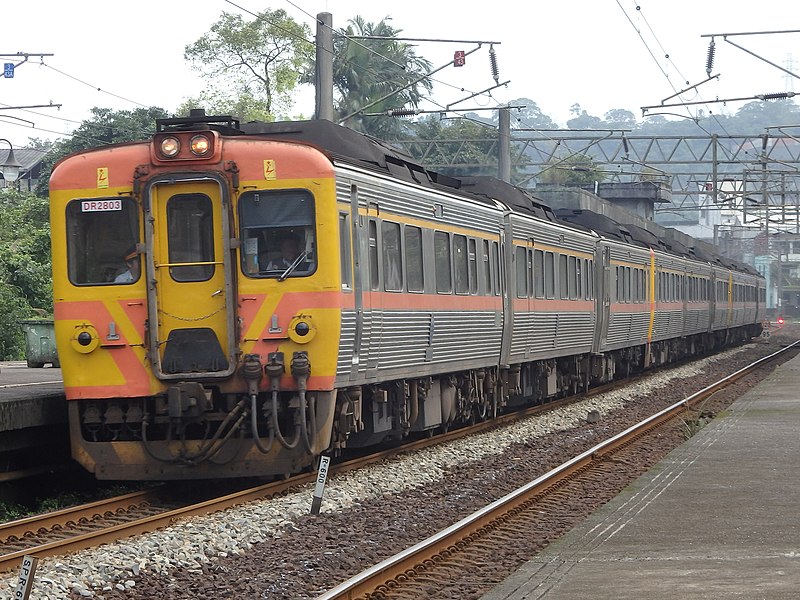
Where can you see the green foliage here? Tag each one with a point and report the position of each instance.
(253, 65)
(368, 70)
(106, 126)
(25, 272)
(530, 116)
(576, 169)
(461, 146)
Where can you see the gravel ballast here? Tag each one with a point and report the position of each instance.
(275, 549)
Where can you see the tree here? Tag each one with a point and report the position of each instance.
(457, 147)
(367, 70)
(106, 126)
(255, 65)
(528, 117)
(619, 118)
(575, 169)
(25, 272)
(583, 120)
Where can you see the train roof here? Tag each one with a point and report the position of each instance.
(358, 148)
(602, 224)
(511, 195)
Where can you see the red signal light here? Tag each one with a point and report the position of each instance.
(780, 320)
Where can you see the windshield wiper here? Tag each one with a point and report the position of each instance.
(293, 266)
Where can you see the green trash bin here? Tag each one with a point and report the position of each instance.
(40, 343)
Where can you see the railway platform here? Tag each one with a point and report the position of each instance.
(33, 417)
(30, 397)
(717, 518)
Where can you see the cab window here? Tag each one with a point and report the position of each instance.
(277, 233)
(101, 234)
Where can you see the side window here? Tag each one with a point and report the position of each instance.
(392, 261)
(344, 251)
(549, 275)
(496, 268)
(538, 273)
(572, 276)
(487, 267)
(102, 234)
(441, 250)
(473, 266)
(521, 269)
(563, 288)
(413, 248)
(373, 254)
(460, 264)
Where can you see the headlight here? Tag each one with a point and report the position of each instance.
(170, 146)
(200, 145)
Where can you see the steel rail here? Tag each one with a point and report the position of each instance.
(403, 564)
(19, 528)
(67, 517)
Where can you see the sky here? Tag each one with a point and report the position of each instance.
(600, 54)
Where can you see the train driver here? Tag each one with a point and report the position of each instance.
(132, 262)
(290, 251)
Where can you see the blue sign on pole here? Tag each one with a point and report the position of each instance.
(8, 70)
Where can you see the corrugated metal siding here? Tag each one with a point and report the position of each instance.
(697, 320)
(402, 340)
(538, 334)
(627, 329)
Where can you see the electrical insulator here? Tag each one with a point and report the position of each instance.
(710, 58)
(493, 61)
(401, 112)
(780, 96)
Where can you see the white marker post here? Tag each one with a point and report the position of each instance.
(25, 582)
(319, 490)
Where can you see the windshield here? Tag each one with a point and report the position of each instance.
(277, 233)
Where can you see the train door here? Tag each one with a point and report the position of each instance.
(191, 304)
(602, 287)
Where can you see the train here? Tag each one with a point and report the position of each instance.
(236, 299)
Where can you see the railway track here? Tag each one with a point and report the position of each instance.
(103, 521)
(472, 545)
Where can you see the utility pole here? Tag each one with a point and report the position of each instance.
(324, 70)
(504, 160)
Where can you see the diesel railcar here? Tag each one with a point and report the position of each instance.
(192, 346)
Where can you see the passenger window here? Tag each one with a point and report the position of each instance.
(521, 268)
(549, 275)
(460, 264)
(538, 273)
(392, 261)
(373, 254)
(414, 261)
(344, 251)
(473, 267)
(441, 250)
(487, 268)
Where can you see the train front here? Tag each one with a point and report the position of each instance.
(197, 303)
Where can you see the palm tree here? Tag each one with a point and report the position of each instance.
(366, 70)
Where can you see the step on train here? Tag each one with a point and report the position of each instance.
(235, 299)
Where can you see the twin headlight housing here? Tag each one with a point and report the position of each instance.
(183, 146)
